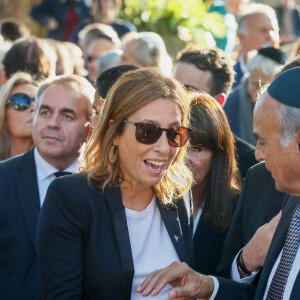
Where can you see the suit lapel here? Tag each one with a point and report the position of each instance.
(28, 194)
(113, 199)
(276, 244)
(170, 217)
(204, 237)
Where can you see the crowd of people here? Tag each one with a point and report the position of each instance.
(126, 174)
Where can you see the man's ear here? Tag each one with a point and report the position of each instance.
(221, 98)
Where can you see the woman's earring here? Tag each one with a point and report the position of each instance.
(113, 154)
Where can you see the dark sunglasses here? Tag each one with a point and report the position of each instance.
(148, 133)
(20, 101)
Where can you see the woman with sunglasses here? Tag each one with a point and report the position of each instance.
(16, 114)
(101, 232)
(216, 180)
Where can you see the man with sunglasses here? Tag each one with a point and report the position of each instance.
(60, 127)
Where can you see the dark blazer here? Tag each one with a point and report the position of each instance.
(208, 243)
(245, 155)
(238, 74)
(233, 290)
(19, 209)
(58, 9)
(84, 249)
(259, 202)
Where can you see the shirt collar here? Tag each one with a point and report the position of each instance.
(45, 170)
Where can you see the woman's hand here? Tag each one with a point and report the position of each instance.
(187, 283)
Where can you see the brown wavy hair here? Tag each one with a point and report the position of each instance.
(130, 93)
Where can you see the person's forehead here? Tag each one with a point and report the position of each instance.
(189, 74)
(130, 46)
(258, 20)
(59, 96)
(266, 111)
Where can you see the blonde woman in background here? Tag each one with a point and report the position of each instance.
(16, 113)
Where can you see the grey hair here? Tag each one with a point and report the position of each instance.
(289, 124)
(150, 52)
(268, 66)
(255, 9)
(74, 82)
(108, 60)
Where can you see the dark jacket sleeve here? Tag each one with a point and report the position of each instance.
(60, 243)
(231, 290)
(234, 240)
(42, 12)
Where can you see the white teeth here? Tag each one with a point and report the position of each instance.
(156, 163)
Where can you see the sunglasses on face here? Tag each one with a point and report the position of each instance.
(148, 133)
(20, 101)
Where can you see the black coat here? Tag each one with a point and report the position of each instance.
(259, 202)
(84, 249)
(229, 289)
(19, 209)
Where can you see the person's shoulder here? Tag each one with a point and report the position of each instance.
(243, 145)
(13, 162)
(76, 181)
(259, 169)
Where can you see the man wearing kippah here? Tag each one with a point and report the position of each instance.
(277, 127)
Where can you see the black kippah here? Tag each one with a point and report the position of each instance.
(286, 88)
(106, 79)
(274, 54)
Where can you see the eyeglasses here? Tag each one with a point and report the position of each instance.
(20, 101)
(148, 133)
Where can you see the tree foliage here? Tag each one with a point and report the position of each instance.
(187, 20)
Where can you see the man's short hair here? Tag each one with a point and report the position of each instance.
(96, 31)
(150, 50)
(256, 9)
(12, 29)
(75, 82)
(213, 60)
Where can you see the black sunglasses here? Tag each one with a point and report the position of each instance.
(20, 101)
(148, 133)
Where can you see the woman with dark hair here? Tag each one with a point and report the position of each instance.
(216, 180)
(101, 232)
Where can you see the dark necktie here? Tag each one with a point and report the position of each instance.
(289, 251)
(59, 174)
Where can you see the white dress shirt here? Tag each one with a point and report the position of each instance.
(44, 172)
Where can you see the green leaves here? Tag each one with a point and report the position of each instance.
(186, 20)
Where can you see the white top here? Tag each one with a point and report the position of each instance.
(151, 247)
(44, 172)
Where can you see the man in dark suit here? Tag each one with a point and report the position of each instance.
(258, 195)
(60, 126)
(210, 71)
(277, 126)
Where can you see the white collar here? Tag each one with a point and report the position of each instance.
(45, 170)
